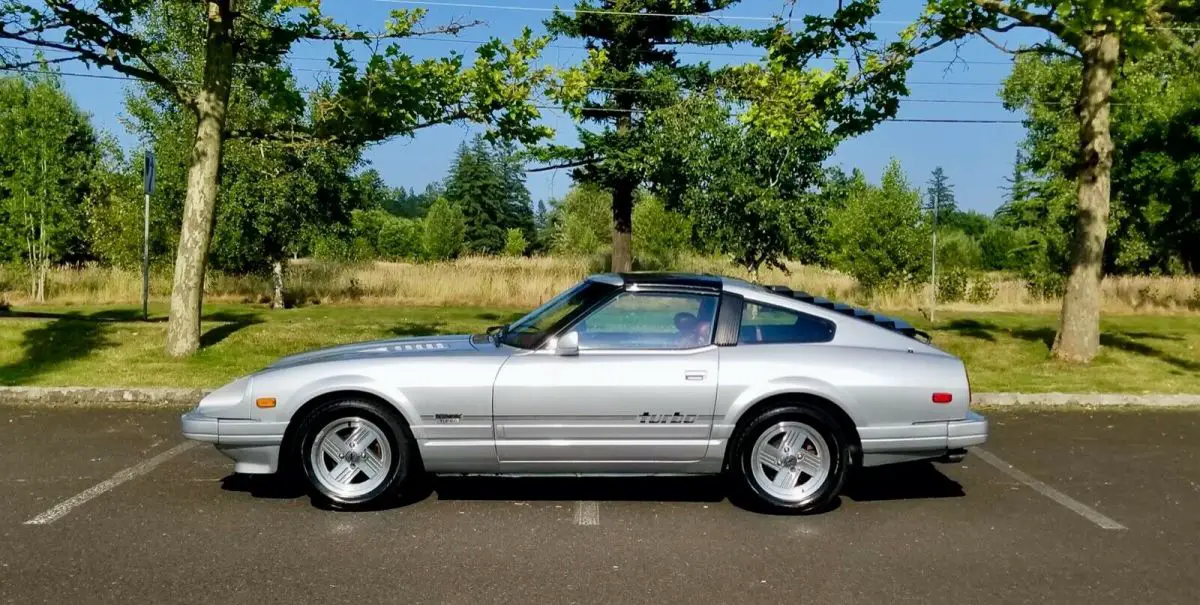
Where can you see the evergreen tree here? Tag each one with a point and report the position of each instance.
(637, 72)
(518, 204)
(477, 188)
(940, 195)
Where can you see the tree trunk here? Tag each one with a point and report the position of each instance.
(1078, 337)
(199, 208)
(622, 235)
(622, 211)
(277, 285)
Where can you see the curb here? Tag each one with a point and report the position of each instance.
(154, 397)
(1084, 399)
(165, 397)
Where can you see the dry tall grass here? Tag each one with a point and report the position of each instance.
(527, 282)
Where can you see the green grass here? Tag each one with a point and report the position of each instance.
(110, 346)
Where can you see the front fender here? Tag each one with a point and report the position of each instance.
(292, 392)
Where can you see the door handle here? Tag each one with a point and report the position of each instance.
(695, 374)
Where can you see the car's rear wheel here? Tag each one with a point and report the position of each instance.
(791, 459)
(355, 454)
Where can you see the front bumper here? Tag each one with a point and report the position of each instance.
(253, 445)
(972, 430)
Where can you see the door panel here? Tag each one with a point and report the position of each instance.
(606, 406)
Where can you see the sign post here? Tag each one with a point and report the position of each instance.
(147, 189)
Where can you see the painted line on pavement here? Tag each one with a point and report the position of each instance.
(587, 513)
(1072, 504)
(66, 506)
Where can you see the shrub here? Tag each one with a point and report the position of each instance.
(1044, 284)
(445, 228)
(983, 289)
(399, 238)
(515, 243)
(957, 249)
(879, 236)
(660, 236)
(952, 285)
(582, 222)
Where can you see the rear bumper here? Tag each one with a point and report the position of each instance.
(972, 430)
(890, 444)
(253, 445)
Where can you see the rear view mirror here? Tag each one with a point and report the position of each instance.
(568, 345)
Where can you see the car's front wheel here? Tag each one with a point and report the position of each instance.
(354, 454)
(791, 459)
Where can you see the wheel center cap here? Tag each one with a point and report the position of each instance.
(352, 457)
(790, 461)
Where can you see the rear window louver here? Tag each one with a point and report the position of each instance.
(891, 323)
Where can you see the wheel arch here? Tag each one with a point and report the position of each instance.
(824, 404)
(290, 435)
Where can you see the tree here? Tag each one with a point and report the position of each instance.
(747, 192)
(636, 73)
(518, 204)
(1093, 35)
(634, 69)
(47, 162)
(940, 194)
(1153, 221)
(445, 228)
(475, 187)
(389, 95)
(880, 236)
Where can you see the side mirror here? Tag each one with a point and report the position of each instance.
(567, 345)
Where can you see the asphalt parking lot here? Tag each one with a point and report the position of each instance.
(104, 506)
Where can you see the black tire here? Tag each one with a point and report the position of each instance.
(397, 476)
(741, 472)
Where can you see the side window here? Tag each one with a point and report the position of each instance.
(650, 320)
(762, 324)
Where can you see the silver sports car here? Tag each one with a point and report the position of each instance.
(782, 392)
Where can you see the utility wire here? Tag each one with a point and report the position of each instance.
(582, 11)
(697, 53)
(614, 110)
(575, 11)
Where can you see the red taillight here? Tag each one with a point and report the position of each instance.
(942, 397)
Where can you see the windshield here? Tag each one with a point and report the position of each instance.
(530, 331)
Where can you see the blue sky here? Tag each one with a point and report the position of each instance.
(976, 157)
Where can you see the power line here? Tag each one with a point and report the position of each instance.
(697, 53)
(557, 108)
(773, 19)
(578, 11)
(908, 120)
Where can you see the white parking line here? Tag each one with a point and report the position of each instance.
(587, 513)
(62, 508)
(1078, 507)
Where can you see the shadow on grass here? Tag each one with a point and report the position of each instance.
(233, 323)
(972, 328)
(417, 328)
(69, 337)
(108, 315)
(1122, 340)
(500, 317)
(72, 335)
